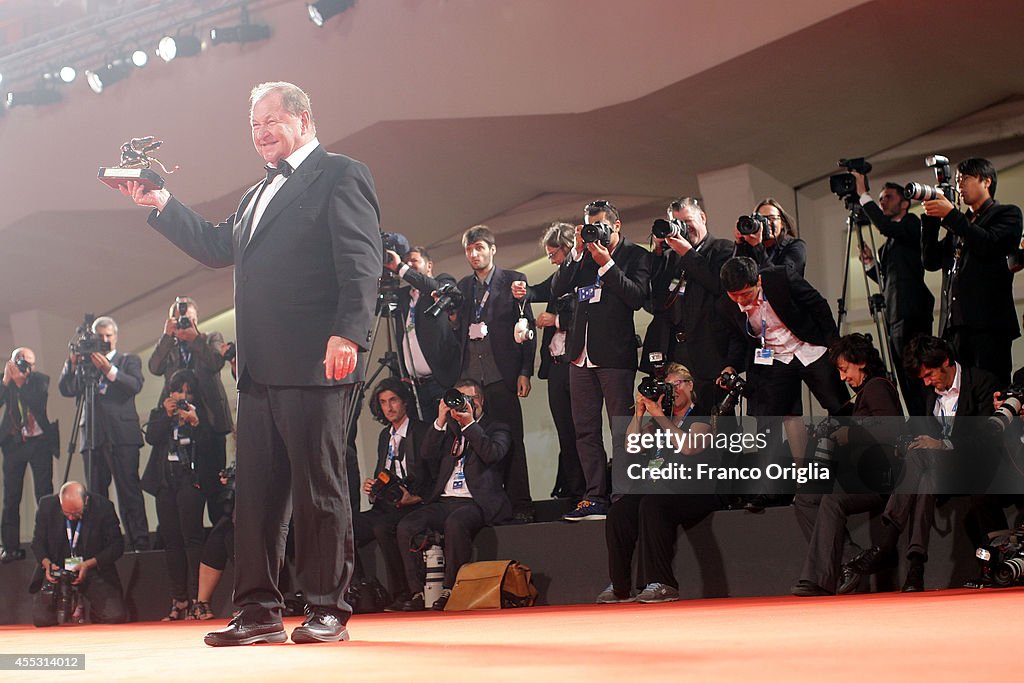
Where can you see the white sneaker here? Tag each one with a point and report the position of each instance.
(658, 592)
(609, 597)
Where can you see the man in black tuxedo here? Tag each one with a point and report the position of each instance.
(688, 327)
(428, 345)
(908, 302)
(184, 347)
(118, 437)
(305, 244)
(28, 438)
(609, 278)
(78, 530)
(398, 455)
(490, 354)
(466, 447)
(977, 315)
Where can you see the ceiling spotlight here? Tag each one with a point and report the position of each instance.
(140, 58)
(109, 73)
(36, 98)
(320, 12)
(171, 47)
(63, 75)
(245, 32)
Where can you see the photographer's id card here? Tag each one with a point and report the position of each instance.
(764, 356)
(478, 330)
(591, 294)
(459, 476)
(72, 563)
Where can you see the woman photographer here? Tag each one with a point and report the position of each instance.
(180, 437)
(658, 515)
(779, 245)
(875, 407)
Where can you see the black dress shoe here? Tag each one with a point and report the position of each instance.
(848, 581)
(873, 560)
(807, 589)
(12, 555)
(439, 604)
(321, 626)
(247, 631)
(413, 604)
(915, 579)
(757, 504)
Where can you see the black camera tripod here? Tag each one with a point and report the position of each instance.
(86, 380)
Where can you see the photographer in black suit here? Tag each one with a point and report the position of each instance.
(556, 321)
(77, 530)
(492, 356)
(609, 278)
(466, 446)
(28, 438)
(776, 246)
(118, 437)
(398, 457)
(183, 347)
(908, 302)
(977, 316)
(430, 350)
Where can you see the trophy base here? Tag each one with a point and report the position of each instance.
(114, 177)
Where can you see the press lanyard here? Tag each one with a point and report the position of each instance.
(764, 328)
(947, 428)
(73, 540)
(483, 301)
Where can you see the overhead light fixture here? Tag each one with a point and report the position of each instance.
(320, 12)
(109, 73)
(172, 47)
(140, 58)
(244, 32)
(63, 75)
(34, 98)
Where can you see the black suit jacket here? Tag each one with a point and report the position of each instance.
(501, 314)
(907, 297)
(33, 395)
(695, 314)
(607, 327)
(790, 252)
(100, 537)
(207, 361)
(564, 308)
(487, 444)
(309, 271)
(980, 295)
(159, 433)
(436, 336)
(799, 306)
(419, 478)
(117, 420)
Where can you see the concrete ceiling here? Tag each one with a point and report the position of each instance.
(512, 114)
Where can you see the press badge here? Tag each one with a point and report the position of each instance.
(478, 330)
(72, 563)
(763, 356)
(655, 463)
(590, 294)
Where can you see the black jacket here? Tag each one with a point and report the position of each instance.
(33, 395)
(100, 537)
(207, 361)
(487, 444)
(907, 297)
(419, 477)
(436, 336)
(564, 308)
(607, 327)
(980, 294)
(160, 432)
(117, 420)
(790, 252)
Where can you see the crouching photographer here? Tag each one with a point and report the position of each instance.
(77, 540)
(179, 431)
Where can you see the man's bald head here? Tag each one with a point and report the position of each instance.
(72, 499)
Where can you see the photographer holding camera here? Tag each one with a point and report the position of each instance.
(467, 447)
(181, 437)
(400, 479)
(76, 532)
(900, 274)
(428, 345)
(609, 276)
(977, 315)
(183, 347)
(770, 240)
(27, 438)
(118, 437)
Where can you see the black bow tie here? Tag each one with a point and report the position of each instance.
(283, 167)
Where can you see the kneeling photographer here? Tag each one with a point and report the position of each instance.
(181, 437)
(77, 540)
(400, 480)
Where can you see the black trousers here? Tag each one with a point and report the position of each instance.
(776, 387)
(594, 389)
(382, 524)
(220, 544)
(122, 463)
(569, 480)
(291, 464)
(17, 457)
(621, 531)
(502, 404)
(900, 334)
(208, 472)
(459, 518)
(106, 604)
(985, 349)
(179, 508)
(914, 513)
(822, 519)
(660, 517)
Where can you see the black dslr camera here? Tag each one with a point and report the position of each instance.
(654, 385)
(943, 182)
(457, 401)
(753, 224)
(386, 487)
(1002, 561)
(735, 386)
(672, 227)
(24, 367)
(597, 232)
(183, 322)
(449, 299)
(65, 593)
(1013, 399)
(87, 342)
(844, 185)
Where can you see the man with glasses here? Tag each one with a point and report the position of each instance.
(977, 316)
(776, 246)
(609, 277)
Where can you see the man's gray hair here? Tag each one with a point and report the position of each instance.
(104, 321)
(293, 98)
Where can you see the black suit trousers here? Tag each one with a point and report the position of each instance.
(381, 523)
(121, 462)
(822, 520)
(17, 457)
(291, 463)
(459, 519)
(502, 404)
(592, 390)
(179, 508)
(569, 480)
